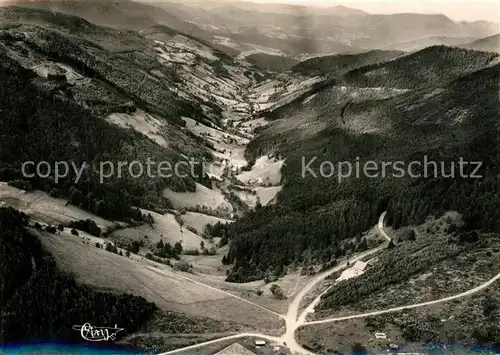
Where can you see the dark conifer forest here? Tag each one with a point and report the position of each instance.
(319, 219)
(41, 303)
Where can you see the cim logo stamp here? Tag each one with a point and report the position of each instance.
(92, 333)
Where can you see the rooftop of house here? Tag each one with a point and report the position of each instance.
(360, 265)
(235, 349)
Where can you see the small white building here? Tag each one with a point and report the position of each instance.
(394, 346)
(260, 343)
(357, 269)
(360, 265)
(380, 336)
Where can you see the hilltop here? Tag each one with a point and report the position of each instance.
(378, 75)
(338, 65)
(277, 28)
(428, 262)
(488, 44)
(429, 67)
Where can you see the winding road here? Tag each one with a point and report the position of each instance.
(294, 320)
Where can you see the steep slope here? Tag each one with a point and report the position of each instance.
(319, 217)
(41, 302)
(72, 134)
(483, 26)
(98, 100)
(287, 28)
(439, 283)
(208, 20)
(174, 97)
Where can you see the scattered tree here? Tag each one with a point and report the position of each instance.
(178, 248)
(277, 292)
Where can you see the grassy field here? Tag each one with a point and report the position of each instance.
(43, 208)
(265, 171)
(214, 275)
(249, 126)
(454, 261)
(141, 122)
(202, 197)
(251, 195)
(199, 220)
(341, 336)
(165, 228)
(157, 283)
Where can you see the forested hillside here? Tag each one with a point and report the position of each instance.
(316, 217)
(380, 74)
(39, 303)
(270, 62)
(430, 67)
(337, 65)
(51, 129)
(58, 114)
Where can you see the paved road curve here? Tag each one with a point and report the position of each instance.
(292, 322)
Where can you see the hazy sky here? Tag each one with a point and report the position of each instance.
(469, 10)
(457, 10)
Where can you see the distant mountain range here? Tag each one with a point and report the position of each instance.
(119, 14)
(339, 24)
(291, 30)
(131, 82)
